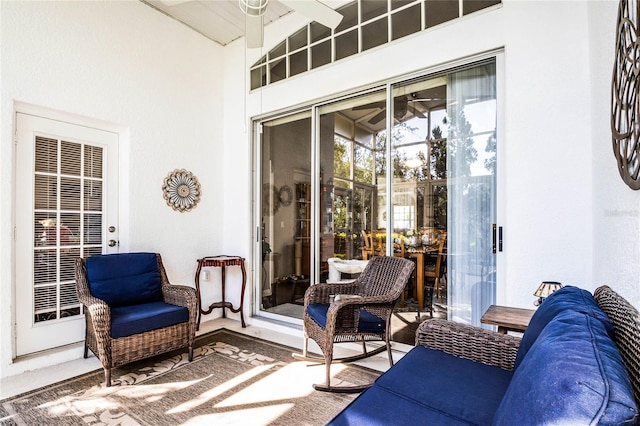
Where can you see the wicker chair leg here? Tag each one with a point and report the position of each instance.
(327, 362)
(107, 376)
(389, 353)
(190, 353)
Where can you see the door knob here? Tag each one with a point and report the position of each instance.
(113, 243)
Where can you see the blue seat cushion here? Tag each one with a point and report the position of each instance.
(134, 319)
(379, 407)
(368, 321)
(441, 383)
(573, 374)
(125, 279)
(432, 388)
(568, 298)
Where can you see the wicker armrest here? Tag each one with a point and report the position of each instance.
(180, 295)
(465, 341)
(324, 292)
(99, 311)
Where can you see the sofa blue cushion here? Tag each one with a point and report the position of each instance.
(134, 319)
(430, 387)
(441, 384)
(573, 374)
(568, 298)
(379, 407)
(368, 321)
(125, 279)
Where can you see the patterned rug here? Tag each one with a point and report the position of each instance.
(233, 380)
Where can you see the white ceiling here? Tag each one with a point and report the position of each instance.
(219, 20)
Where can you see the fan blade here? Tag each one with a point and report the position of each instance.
(253, 31)
(315, 10)
(417, 113)
(380, 104)
(378, 117)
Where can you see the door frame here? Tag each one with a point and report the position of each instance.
(73, 351)
(498, 55)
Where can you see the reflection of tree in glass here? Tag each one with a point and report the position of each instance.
(363, 159)
(398, 158)
(436, 166)
(490, 163)
(340, 212)
(460, 149)
(438, 153)
(341, 160)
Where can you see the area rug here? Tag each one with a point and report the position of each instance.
(233, 379)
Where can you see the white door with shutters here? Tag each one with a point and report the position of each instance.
(66, 207)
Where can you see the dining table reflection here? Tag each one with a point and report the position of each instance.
(419, 252)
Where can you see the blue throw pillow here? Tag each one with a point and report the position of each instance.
(125, 279)
(573, 374)
(568, 298)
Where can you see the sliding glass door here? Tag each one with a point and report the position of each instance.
(287, 205)
(408, 169)
(443, 152)
(471, 188)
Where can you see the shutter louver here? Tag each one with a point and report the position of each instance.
(67, 221)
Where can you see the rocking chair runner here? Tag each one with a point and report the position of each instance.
(359, 312)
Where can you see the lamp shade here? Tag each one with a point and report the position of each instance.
(546, 288)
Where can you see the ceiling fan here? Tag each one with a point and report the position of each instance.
(312, 9)
(255, 9)
(400, 108)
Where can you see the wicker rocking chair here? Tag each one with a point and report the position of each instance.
(354, 312)
(131, 310)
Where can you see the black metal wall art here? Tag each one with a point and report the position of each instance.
(625, 104)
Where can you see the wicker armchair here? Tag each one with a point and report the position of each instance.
(354, 312)
(120, 333)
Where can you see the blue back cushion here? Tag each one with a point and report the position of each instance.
(573, 374)
(566, 299)
(125, 279)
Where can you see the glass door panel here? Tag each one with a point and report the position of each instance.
(350, 160)
(287, 210)
(443, 152)
(471, 191)
(419, 167)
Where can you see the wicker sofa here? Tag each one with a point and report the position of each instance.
(577, 363)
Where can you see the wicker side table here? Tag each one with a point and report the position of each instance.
(507, 318)
(221, 262)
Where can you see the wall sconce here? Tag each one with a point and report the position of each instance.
(544, 290)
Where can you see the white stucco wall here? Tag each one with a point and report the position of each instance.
(161, 83)
(559, 193)
(180, 99)
(616, 208)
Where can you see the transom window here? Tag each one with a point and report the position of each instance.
(366, 24)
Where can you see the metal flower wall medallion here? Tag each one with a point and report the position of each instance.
(181, 190)
(625, 103)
